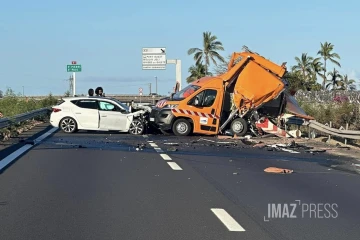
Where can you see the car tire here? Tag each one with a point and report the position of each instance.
(68, 125)
(239, 127)
(182, 127)
(137, 127)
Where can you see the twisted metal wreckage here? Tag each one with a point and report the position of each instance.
(252, 95)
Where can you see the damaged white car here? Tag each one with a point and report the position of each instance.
(99, 114)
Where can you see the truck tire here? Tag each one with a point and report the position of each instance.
(239, 127)
(181, 127)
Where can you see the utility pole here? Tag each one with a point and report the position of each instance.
(150, 88)
(156, 84)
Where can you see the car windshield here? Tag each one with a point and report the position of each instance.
(123, 105)
(190, 89)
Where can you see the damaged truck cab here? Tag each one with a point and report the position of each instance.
(251, 88)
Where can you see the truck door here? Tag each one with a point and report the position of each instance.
(205, 110)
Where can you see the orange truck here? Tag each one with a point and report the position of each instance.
(251, 89)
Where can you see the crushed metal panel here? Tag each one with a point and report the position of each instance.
(253, 93)
(293, 107)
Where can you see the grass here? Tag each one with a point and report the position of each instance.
(12, 104)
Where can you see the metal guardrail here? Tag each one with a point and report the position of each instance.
(346, 134)
(6, 122)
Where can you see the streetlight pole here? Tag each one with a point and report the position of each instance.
(156, 84)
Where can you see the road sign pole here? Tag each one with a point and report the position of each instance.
(74, 86)
(177, 63)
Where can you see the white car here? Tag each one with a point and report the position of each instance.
(97, 113)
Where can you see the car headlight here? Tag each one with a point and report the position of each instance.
(171, 105)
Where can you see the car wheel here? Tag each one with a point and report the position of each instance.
(239, 127)
(68, 125)
(181, 127)
(136, 127)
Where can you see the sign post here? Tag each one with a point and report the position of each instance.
(74, 68)
(140, 93)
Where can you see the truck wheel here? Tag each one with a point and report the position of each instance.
(181, 127)
(239, 127)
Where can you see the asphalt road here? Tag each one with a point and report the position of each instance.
(102, 186)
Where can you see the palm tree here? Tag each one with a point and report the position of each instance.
(222, 67)
(210, 47)
(335, 79)
(326, 53)
(304, 66)
(316, 69)
(347, 84)
(196, 72)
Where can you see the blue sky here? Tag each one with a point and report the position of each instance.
(39, 38)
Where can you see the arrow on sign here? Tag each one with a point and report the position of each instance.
(163, 51)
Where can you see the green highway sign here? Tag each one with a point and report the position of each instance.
(74, 68)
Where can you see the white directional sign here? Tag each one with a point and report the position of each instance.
(140, 91)
(154, 58)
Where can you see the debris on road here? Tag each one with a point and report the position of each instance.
(278, 170)
(172, 149)
(172, 144)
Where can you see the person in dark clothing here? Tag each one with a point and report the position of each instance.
(91, 92)
(99, 92)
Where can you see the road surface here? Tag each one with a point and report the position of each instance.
(108, 186)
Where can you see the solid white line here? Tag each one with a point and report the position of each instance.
(150, 141)
(227, 220)
(165, 157)
(45, 135)
(7, 160)
(153, 145)
(174, 166)
(10, 158)
(158, 149)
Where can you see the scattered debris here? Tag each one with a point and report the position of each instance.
(172, 149)
(278, 170)
(172, 144)
(235, 173)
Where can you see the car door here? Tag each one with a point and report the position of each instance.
(205, 111)
(112, 116)
(86, 113)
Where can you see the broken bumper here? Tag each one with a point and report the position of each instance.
(161, 118)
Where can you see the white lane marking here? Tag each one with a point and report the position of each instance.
(7, 160)
(174, 166)
(165, 157)
(45, 135)
(227, 220)
(158, 149)
(145, 136)
(153, 145)
(10, 158)
(150, 141)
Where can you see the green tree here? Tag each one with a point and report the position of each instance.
(67, 93)
(335, 80)
(347, 83)
(316, 69)
(211, 46)
(196, 72)
(326, 52)
(304, 66)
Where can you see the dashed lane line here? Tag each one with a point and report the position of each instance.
(166, 157)
(174, 166)
(227, 220)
